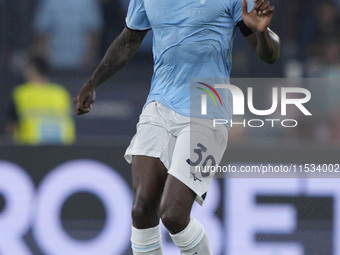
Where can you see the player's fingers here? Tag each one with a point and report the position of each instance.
(265, 5)
(88, 102)
(244, 7)
(86, 110)
(270, 10)
(78, 106)
(83, 111)
(257, 4)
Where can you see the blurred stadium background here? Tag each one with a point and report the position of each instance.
(76, 199)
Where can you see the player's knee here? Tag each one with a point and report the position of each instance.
(139, 211)
(143, 208)
(173, 220)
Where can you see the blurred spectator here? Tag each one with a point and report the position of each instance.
(40, 111)
(69, 32)
(114, 16)
(325, 62)
(322, 23)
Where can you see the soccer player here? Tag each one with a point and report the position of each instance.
(192, 39)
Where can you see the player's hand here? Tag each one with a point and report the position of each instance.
(260, 17)
(83, 101)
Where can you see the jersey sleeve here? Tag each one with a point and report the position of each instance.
(236, 9)
(136, 17)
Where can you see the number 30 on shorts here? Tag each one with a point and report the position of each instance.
(201, 151)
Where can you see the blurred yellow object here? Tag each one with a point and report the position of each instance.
(44, 114)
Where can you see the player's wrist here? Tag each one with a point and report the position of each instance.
(91, 85)
(262, 33)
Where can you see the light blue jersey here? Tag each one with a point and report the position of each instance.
(192, 40)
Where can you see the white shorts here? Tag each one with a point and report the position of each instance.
(181, 143)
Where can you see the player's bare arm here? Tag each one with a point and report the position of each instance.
(265, 42)
(116, 57)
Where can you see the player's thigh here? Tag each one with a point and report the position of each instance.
(148, 178)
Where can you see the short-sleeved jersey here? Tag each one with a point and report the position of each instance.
(192, 39)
